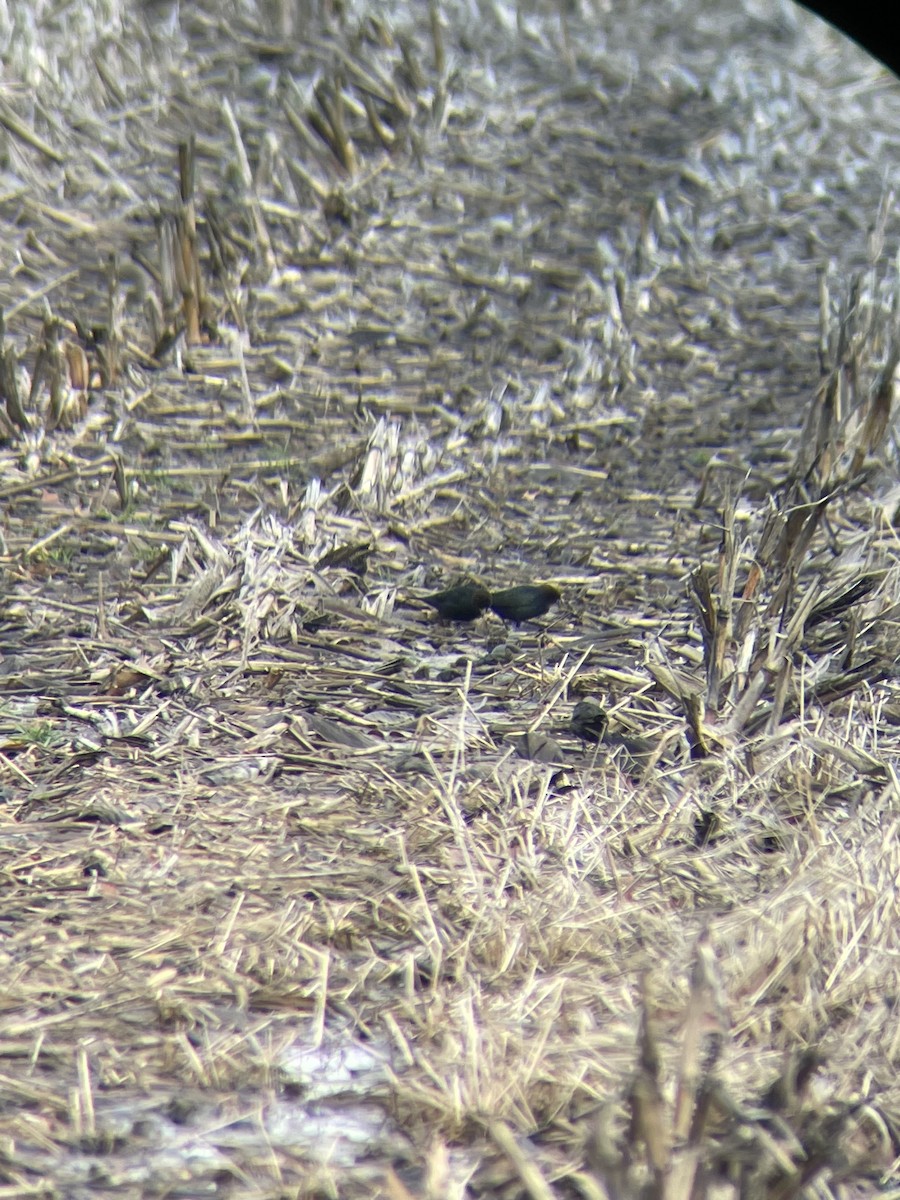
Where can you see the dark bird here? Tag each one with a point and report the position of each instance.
(589, 722)
(465, 602)
(525, 602)
(538, 747)
(707, 827)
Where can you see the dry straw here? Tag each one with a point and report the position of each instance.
(308, 312)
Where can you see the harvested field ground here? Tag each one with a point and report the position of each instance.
(314, 309)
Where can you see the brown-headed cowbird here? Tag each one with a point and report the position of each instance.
(525, 602)
(707, 827)
(538, 747)
(589, 721)
(465, 602)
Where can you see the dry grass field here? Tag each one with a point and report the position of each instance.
(312, 309)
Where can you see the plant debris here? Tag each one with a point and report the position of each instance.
(304, 310)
